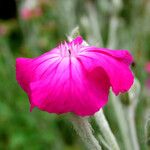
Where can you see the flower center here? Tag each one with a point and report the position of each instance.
(69, 49)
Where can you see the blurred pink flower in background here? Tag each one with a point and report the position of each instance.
(147, 81)
(27, 14)
(3, 30)
(147, 87)
(147, 67)
(30, 9)
(74, 78)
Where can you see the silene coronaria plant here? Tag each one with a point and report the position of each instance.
(74, 77)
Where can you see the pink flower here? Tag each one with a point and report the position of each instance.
(147, 67)
(74, 78)
(27, 14)
(148, 83)
(147, 87)
(30, 9)
(3, 30)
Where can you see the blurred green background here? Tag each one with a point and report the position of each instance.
(29, 28)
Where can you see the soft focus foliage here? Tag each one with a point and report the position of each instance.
(127, 25)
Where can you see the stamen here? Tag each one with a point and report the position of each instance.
(69, 51)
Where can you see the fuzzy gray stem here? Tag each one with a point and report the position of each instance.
(84, 129)
(105, 130)
(113, 27)
(122, 122)
(118, 108)
(105, 144)
(131, 120)
(130, 111)
(93, 21)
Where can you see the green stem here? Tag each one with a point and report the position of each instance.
(122, 122)
(105, 130)
(113, 27)
(93, 21)
(130, 111)
(103, 141)
(84, 129)
(131, 121)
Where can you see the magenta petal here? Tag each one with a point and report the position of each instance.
(117, 68)
(77, 40)
(71, 89)
(23, 75)
(74, 78)
(122, 55)
(29, 70)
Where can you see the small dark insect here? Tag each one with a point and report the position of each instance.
(133, 64)
(69, 51)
